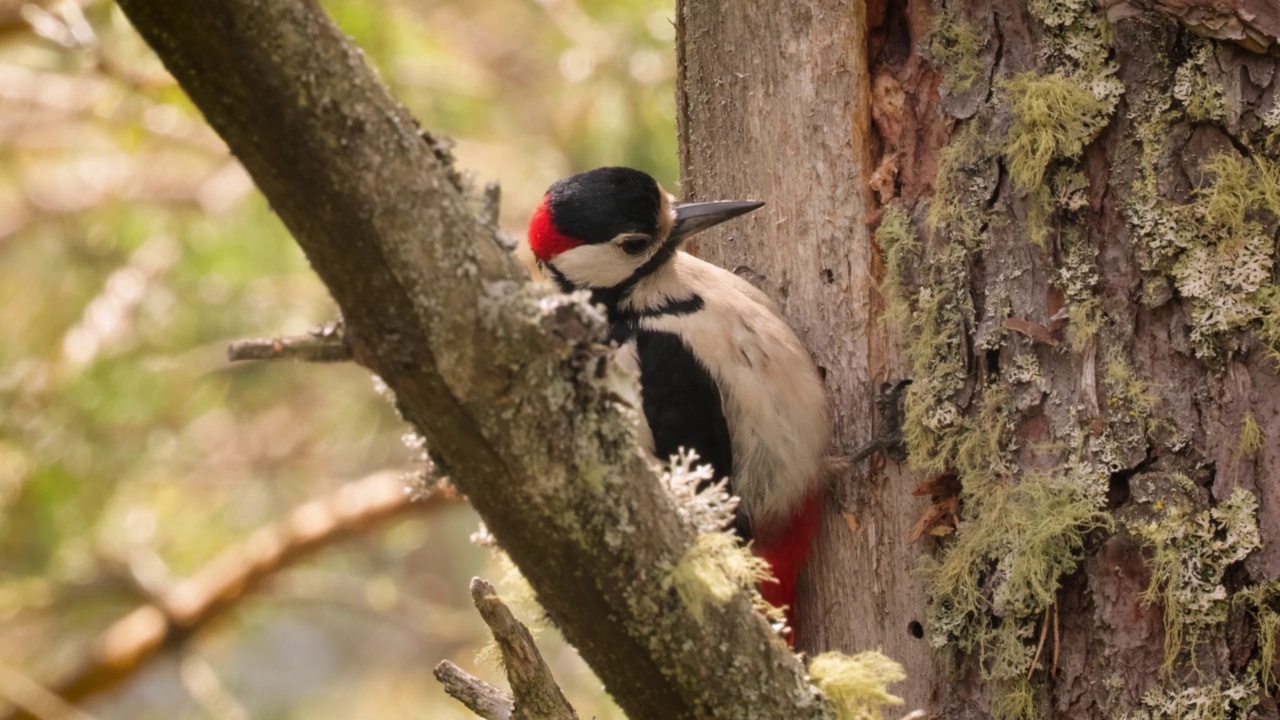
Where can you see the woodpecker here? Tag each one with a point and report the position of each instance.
(720, 371)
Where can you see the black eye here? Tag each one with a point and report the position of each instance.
(635, 244)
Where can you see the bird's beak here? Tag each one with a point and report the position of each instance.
(692, 218)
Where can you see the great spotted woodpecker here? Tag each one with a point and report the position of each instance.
(720, 370)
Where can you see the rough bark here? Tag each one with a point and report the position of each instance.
(510, 386)
(1075, 204)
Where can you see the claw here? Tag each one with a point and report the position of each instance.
(890, 440)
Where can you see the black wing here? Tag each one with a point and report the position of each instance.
(682, 405)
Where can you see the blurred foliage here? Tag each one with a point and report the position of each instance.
(133, 248)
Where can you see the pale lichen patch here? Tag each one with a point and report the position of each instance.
(1220, 700)
(1191, 551)
(1195, 87)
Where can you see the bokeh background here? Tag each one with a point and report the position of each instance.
(133, 248)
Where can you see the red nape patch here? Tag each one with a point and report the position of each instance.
(787, 552)
(545, 239)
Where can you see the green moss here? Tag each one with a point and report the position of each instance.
(1039, 214)
(856, 686)
(959, 188)
(1017, 701)
(1268, 627)
(1079, 44)
(899, 245)
(1127, 391)
(1022, 538)
(1239, 188)
(1031, 533)
(1067, 190)
(932, 423)
(1059, 109)
(954, 46)
(1250, 436)
(1190, 554)
(1017, 541)
(714, 569)
(1054, 116)
(1084, 319)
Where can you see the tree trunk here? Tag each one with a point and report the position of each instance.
(1074, 213)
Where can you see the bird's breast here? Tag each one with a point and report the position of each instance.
(772, 399)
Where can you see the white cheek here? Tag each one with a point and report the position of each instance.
(602, 265)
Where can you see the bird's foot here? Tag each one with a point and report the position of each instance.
(889, 440)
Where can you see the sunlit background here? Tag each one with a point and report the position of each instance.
(133, 249)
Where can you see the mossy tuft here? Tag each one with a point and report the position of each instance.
(954, 46)
(1054, 116)
(714, 569)
(1016, 702)
(1250, 436)
(899, 244)
(856, 686)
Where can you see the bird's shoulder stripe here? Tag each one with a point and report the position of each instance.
(625, 323)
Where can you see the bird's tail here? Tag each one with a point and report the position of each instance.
(787, 551)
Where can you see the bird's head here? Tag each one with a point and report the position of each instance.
(608, 228)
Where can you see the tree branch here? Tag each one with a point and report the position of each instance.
(512, 386)
(536, 693)
(35, 700)
(135, 640)
(477, 695)
(537, 696)
(322, 345)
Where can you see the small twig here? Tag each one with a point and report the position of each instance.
(536, 693)
(890, 440)
(325, 344)
(1044, 633)
(1054, 671)
(479, 696)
